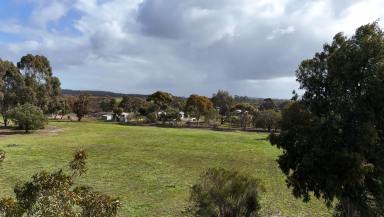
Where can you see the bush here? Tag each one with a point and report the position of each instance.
(226, 194)
(152, 117)
(267, 119)
(28, 117)
(55, 194)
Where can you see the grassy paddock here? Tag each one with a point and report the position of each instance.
(151, 169)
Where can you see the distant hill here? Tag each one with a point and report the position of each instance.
(98, 93)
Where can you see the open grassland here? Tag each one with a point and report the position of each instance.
(151, 169)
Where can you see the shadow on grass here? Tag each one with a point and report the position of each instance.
(10, 130)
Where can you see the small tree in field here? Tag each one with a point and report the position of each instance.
(332, 137)
(81, 106)
(226, 194)
(55, 195)
(28, 117)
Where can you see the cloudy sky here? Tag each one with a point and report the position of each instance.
(248, 47)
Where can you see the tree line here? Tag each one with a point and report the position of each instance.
(222, 109)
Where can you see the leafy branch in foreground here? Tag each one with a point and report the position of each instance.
(55, 195)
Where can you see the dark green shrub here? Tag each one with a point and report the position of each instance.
(28, 117)
(226, 194)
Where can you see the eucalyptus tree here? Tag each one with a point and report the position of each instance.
(11, 87)
(333, 136)
(43, 89)
(198, 106)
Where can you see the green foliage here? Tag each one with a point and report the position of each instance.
(96, 204)
(64, 107)
(81, 106)
(11, 87)
(133, 104)
(268, 104)
(78, 164)
(333, 136)
(198, 106)
(42, 89)
(267, 119)
(117, 113)
(161, 99)
(244, 107)
(108, 104)
(54, 194)
(28, 117)
(223, 193)
(152, 117)
(223, 101)
(10, 208)
(212, 117)
(170, 115)
(246, 113)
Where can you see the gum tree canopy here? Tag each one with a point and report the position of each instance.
(43, 88)
(333, 138)
(11, 87)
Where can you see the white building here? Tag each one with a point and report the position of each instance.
(107, 117)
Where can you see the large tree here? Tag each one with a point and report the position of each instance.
(246, 112)
(108, 104)
(161, 99)
(224, 102)
(81, 106)
(133, 103)
(43, 89)
(267, 104)
(333, 137)
(11, 86)
(198, 106)
(267, 119)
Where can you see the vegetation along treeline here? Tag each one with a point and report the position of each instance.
(30, 87)
(220, 111)
(332, 137)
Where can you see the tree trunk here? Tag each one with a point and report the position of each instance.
(349, 210)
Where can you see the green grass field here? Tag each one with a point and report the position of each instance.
(151, 169)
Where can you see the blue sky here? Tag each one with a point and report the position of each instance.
(192, 46)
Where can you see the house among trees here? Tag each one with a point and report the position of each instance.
(107, 117)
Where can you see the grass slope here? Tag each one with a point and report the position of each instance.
(151, 169)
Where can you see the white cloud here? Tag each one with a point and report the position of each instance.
(45, 13)
(248, 47)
